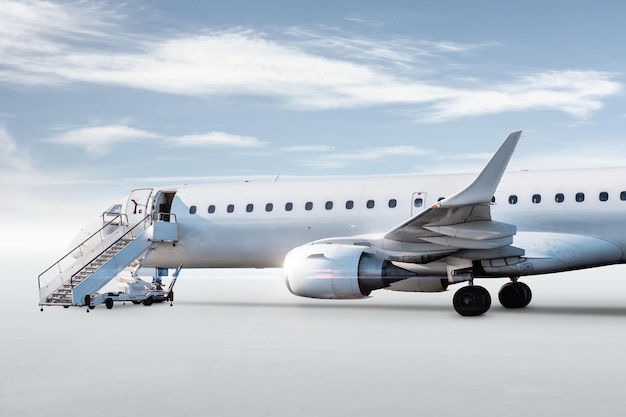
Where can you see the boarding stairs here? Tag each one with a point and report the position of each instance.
(75, 279)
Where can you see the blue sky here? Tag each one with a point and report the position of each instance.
(97, 98)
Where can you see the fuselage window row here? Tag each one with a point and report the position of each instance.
(393, 203)
(329, 205)
(560, 197)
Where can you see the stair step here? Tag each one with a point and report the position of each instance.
(64, 294)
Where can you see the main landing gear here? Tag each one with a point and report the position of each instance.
(474, 300)
(471, 301)
(515, 294)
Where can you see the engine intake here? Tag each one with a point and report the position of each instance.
(338, 271)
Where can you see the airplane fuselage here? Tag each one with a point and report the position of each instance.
(255, 224)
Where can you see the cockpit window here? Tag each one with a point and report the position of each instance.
(114, 209)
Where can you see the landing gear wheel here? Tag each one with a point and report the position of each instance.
(471, 301)
(148, 301)
(529, 293)
(109, 303)
(515, 295)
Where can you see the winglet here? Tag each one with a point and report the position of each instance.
(484, 186)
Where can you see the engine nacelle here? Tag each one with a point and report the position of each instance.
(338, 271)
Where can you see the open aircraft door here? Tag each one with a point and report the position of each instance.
(137, 205)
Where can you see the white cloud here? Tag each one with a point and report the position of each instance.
(7, 144)
(222, 139)
(11, 158)
(310, 148)
(306, 70)
(396, 51)
(430, 160)
(572, 155)
(577, 93)
(27, 182)
(98, 140)
(342, 159)
(30, 27)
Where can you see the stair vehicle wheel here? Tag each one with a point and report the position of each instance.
(515, 295)
(136, 301)
(148, 301)
(109, 303)
(92, 307)
(471, 301)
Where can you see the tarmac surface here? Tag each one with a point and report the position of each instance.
(237, 343)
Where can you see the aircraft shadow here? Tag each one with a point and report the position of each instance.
(295, 306)
(595, 311)
(571, 311)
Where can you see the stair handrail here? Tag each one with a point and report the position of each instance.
(126, 233)
(123, 223)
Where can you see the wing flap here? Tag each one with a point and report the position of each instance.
(477, 230)
(461, 243)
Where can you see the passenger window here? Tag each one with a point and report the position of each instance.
(393, 203)
(604, 196)
(269, 207)
(536, 198)
(230, 208)
(288, 206)
(559, 198)
(441, 198)
(370, 204)
(211, 209)
(418, 202)
(513, 199)
(493, 199)
(308, 206)
(349, 204)
(249, 208)
(622, 196)
(192, 210)
(580, 197)
(329, 205)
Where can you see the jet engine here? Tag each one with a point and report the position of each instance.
(338, 271)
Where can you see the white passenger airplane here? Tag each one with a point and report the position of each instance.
(344, 238)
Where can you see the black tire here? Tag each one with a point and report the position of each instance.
(529, 294)
(109, 303)
(136, 301)
(148, 301)
(471, 301)
(515, 295)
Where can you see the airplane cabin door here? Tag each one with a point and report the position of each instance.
(137, 205)
(418, 203)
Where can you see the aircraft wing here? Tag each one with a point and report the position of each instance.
(463, 220)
